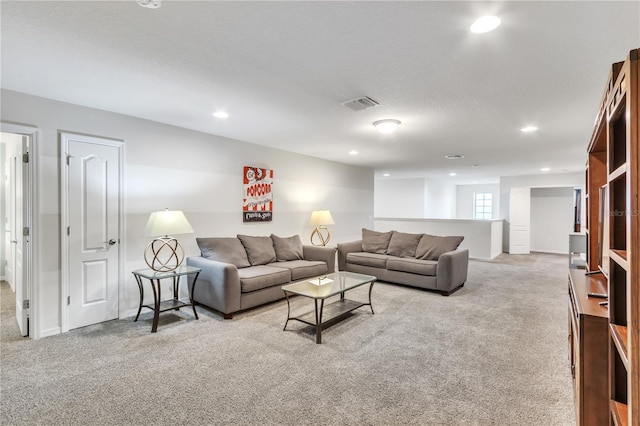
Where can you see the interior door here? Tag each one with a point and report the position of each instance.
(93, 230)
(520, 221)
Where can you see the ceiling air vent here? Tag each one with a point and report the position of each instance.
(361, 103)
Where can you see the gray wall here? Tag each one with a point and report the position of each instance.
(170, 167)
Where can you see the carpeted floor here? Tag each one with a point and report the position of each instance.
(494, 353)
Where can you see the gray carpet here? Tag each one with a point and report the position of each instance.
(494, 353)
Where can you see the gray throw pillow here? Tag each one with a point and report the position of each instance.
(259, 249)
(287, 248)
(431, 247)
(227, 250)
(375, 242)
(403, 245)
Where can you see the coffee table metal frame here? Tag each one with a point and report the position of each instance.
(321, 288)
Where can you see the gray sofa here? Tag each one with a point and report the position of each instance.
(419, 260)
(246, 271)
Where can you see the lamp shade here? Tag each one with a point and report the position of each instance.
(386, 126)
(321, 217)
(167, 222)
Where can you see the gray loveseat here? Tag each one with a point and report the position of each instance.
(419, 260)
(246, 271)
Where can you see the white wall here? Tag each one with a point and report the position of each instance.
(551, 219)
(414, 198)
(198, 173)
(439, 199)
(465, 199)
(399, 198)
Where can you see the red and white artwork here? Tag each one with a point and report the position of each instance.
(257, 200)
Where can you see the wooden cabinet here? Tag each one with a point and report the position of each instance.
(613, 165)
(588, 337)
(623, 123)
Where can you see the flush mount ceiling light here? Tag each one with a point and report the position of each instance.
(453, 156)
(485, 24)
(150, 4)
(220, 114)
(528, 129)
(386, 126)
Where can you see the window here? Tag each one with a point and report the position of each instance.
(482, 205)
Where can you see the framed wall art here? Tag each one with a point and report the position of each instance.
(257, 200)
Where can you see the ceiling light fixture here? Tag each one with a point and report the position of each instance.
(353, 152)
(452, 174)
(545, 169)
(150, 4)
(220, 114)
(453, 156)
(485, 24)
(386, 126)
(386, 174)
(528, 129)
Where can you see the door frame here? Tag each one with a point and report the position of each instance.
(30, 196)
(64, 138)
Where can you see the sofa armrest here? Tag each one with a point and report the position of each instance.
(346, 248)
(321, 253)
(451, 271)
(218, 284)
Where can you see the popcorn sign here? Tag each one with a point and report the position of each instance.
(257, 201)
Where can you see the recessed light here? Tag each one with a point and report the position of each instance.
(545, 169)
(386, 174)
(475, 181)
(485, 24)
(452, 174)
(220, 114)
(453, 156)
(150, 4)
(353, 152)
(528, 129)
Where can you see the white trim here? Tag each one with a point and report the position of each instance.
(65, 137)
(31, 252)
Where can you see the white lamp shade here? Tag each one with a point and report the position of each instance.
(321, 217)
(386, 126)
(167, 222)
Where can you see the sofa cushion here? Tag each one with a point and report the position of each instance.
(413, 266)
(403, 244)
(227, 250)
(368, 259)
(260, 250)
(287, 248)
(431, 247)
(375, 242)
(301, 269)
(262, 276)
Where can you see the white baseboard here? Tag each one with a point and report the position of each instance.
(50, 332)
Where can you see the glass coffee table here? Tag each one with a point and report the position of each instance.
(321, 288)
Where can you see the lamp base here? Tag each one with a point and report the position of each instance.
(164, 254)
(322, 234)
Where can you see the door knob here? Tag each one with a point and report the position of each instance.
(111, 242)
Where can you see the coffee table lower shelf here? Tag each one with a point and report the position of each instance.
(333, 312)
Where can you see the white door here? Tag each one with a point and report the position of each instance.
(520, 221)
(17, 224)
(93, 229)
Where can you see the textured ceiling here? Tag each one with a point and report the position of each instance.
(283, 69)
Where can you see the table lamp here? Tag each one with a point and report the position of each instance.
(164, 253)
(320, 218)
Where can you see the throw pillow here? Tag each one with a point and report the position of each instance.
(375, 242)
(227, 250)
(431, 247)
(287, 248)
(259, 249)
(403, 245)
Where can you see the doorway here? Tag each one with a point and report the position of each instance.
(92, 256)
(18, 144)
